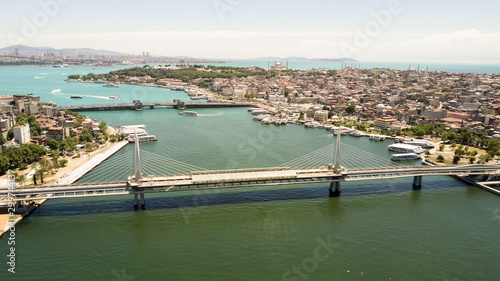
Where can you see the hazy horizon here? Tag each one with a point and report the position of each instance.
(390, 31)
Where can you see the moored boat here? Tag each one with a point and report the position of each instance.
(405, 148)
(404, 157)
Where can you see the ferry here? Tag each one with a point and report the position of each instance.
(421, 143)
(405, 148)
(113, 98)
(189, 113)
(404, 157)
(111, 85)
(76, 97)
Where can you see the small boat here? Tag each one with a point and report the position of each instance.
(189, 113)
(111, 85)
(113, 98)
(76, 97)
(56, 91)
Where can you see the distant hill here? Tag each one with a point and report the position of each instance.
(308, 59)
(26, 50)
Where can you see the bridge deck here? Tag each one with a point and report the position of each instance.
(232, 178)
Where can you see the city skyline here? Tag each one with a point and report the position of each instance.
(391, 30)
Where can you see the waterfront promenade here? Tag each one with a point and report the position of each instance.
(92, 163)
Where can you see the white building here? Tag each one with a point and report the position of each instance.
(22, 134)
(321, 115)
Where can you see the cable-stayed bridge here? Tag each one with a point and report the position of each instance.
(138, 172)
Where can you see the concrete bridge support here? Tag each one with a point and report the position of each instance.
(334, 189)
(143, 201)
(417, 182)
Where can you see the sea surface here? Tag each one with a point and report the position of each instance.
(377, 230)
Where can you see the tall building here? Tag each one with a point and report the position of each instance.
(22, 134)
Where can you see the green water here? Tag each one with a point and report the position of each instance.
(377, 230)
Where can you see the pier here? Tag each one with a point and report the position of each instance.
(138, 106)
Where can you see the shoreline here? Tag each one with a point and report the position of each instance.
(4, 218)
(83, 167)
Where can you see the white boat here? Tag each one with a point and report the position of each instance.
(111, 85)
(405, 148)
(404, 157)
(113, 98)
(189, 113)
(421, 143)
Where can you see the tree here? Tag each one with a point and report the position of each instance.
(53, 144)
(420, 132)
(440, 158)
(55, 155)
(4, 164)
(86, 137)
(441, 147)
(63, 162)
(20, 179)
(350, 109)
(472, 159)
(103, 126)
(456, 159)
(2, 139)
(88, 147)
(459, 152)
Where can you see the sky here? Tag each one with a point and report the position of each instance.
(427, 31)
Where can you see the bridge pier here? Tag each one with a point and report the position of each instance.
(417, 182)
(334, 189)
(136, 201)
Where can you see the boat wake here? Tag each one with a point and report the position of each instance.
(56, 91)
(96, 97)
(38, 77)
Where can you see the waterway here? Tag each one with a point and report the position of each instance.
(377, 230)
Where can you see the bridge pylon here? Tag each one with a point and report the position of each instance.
(138, 175)
(417, 182)
(334, 190)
